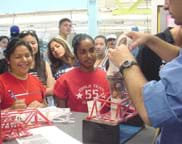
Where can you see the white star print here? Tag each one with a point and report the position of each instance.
(79, 96)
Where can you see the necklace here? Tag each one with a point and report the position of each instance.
(101, 62)
(98, 62)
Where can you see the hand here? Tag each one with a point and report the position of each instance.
(120, 54)
(36, 104)
(19, 104)
(138, 39)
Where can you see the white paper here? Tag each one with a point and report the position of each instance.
(56, 113)
(123, 39)
(114, 108)
(49, 135)
(90, 105)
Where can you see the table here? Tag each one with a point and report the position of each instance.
(75, 130)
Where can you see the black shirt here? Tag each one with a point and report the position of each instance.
(150, 62)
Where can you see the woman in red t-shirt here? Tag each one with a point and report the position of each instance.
(76, 87)
(18, 88)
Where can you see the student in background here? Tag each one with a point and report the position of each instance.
(39, 67)
(101, 52)
(18, 88)
(111, 41)
(65, 28)
(60, 57)
(3, 44)
(81, 84)
(14, 31)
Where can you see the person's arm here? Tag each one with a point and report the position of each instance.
(133, 78)
(50, 80)
(165, 50)
(61, 103)
(135, 81)
(60, 90)
(37, 104)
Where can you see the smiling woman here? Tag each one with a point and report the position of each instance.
(18, 88)
(60, 57)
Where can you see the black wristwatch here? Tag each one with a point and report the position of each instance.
(126, 64)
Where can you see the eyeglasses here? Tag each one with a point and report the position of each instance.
(26, 32)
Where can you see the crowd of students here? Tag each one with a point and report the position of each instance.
(61, 77)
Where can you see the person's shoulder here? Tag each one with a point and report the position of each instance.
(7, 78)
(166, 35)
(4, 75)
(70, 73)
(33, 77)
(100, 71)
(72, 70)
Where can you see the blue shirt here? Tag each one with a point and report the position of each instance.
(163, 101)
(62, 69)
(65, 68)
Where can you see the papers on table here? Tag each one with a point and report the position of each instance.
(48, 135)
(55, 114)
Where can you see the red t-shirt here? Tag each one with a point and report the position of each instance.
(78, 87)
(30, 89)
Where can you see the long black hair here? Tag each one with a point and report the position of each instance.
(40, 66)
(77, 39)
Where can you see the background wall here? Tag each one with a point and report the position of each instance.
(114, 16)
(26, 6)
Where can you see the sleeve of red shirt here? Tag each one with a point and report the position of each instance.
(5, 100)
(1, 91)
(42, 87)
(60, 88)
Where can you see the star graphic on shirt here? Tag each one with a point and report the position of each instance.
(79, 96)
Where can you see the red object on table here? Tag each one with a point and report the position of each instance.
(16, 123)
(124, 111)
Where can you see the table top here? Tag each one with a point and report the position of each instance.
(75, 130)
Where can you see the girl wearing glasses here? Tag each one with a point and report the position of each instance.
(60, 57)
(18, 88)
(39, 67)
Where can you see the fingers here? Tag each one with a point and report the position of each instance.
(132, 34)
(109, 52)
(36, 104)
(19, 104)
(133, 45)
